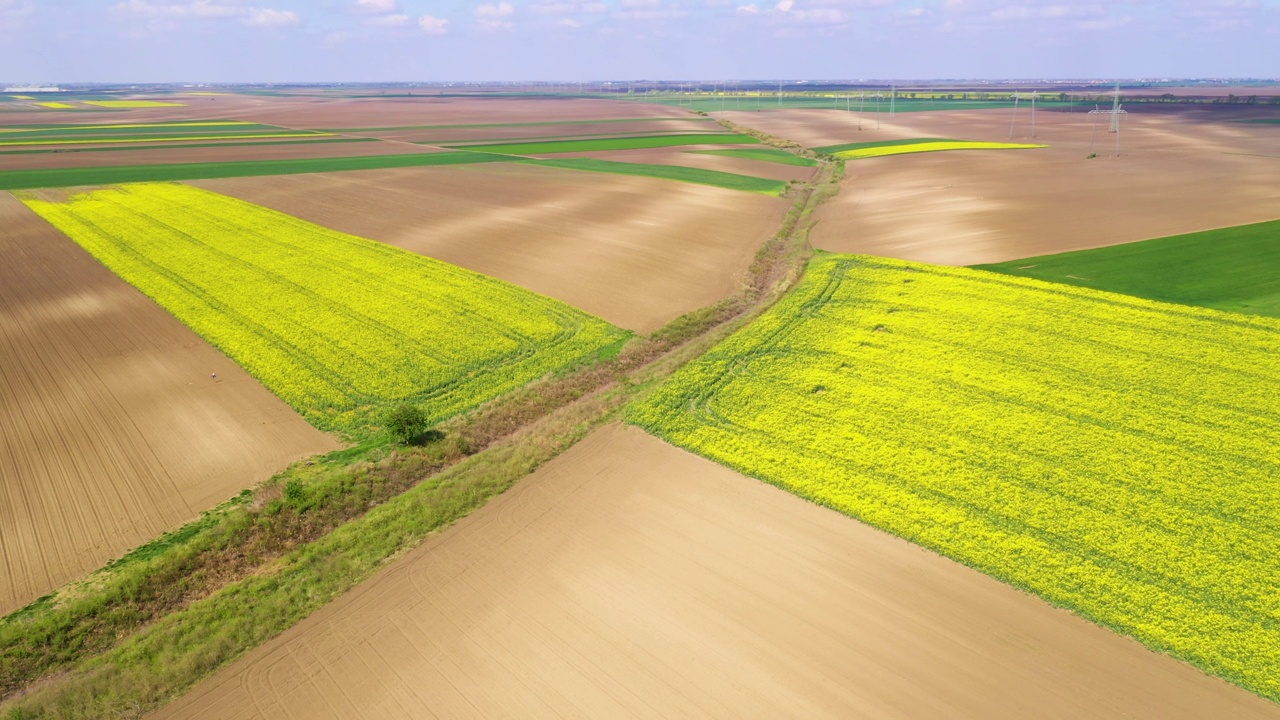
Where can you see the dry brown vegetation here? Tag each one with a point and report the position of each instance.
(112, 428)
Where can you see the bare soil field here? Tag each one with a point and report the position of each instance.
(1180, 171)
(628, 578)
(159, 155)
(517, 132)
(683, 156)
(635, 251)
(112, 428)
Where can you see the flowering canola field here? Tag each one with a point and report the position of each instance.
(1115, 455)
(880, 150)
(336, 325)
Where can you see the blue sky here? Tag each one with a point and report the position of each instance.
(580, 40)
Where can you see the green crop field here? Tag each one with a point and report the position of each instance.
(1235, 268)
(1111, 454)
(521, 124)
(293, 303)
(730, 181)
(763, 154)
(614, 143)
(24, 132)
(859, 151)
(184, 146)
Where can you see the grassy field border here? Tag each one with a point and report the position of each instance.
(615, 143)
(42, 151)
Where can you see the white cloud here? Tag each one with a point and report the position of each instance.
(648, 10)
(493, 16)
(569, 23)
(566, 8)
(269, 18)
(432, 25)
(748, 10)
(377, 7)
(397, 20)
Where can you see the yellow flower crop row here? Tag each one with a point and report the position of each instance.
(56, 105)
(870, 152)
(334, 324)
(1114, 455)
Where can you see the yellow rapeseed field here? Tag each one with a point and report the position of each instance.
(870, 152)
(56, 105)
(1116, 456)
(336, 325)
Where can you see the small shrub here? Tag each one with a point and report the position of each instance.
(407, 424)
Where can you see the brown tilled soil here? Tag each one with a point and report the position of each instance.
(634, 251)
(1179, 171)
(628, 578)
(112, 429)
(521, 132)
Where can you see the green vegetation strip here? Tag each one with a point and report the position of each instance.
(1111, 454)
(520, 124)
(138, 130)
(730, 181)
(1235, 268)
(466, 143)
(6, 142)
(292, 303)
(68, 177)
(763, 154)
(616, 143)
(184, 146)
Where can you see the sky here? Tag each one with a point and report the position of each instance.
(280, 41)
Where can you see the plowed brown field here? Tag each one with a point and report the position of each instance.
(210, 154)
(112, 429)
(1179, 172)
(635, 251)
(683, 157)
(628, 578)
(515, 132)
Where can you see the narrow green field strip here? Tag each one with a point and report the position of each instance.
(1113, 455)
(926, 147)
(466, 143)
(730, 181)
(121, 148)
(636, 143)
(1264, 121)
(70, 177)
(1234, 268)
(691, 118)
(772, 155)
(335, 325)
(833, 149)
(107, 140)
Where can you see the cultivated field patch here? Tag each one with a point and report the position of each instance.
(557, 597)
(859, 151)
(1114, 455)
(762, 154)
(336, 325)
(1235, 268)
(132, 104)
(614, 143)
(113, 428)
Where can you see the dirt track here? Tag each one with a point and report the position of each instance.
(111, 429)
(1179, 172)
(634, 251)
(629, 578)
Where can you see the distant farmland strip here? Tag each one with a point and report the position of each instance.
(151, 129)
(763, 154)
(1111, 454)
(118, 148)
(129, 104)
(463, 144)
(293, 303)
(922, 147)
(520, 124)
(627, 143)
(66, 177)
(1235, 268)
(154, 139)
(730, 181)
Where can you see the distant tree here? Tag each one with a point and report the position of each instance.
(406, 423)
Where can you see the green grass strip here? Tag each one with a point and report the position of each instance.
(632, 143)
(1265, 121)
(112, 139)
(833, 149)
(772, 155)
(326, 141)
(519, 124)
(731, 181)
(1234, 268)
(17, 132)
(68, 177)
